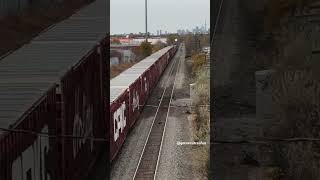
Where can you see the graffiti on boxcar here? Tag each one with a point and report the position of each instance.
(135, 101)
(145, 85)
(31, 164)
(82, 124)
(119, 121)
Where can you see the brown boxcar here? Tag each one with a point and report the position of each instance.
(82, 87)
(145, 76)
(82, 116)
(119, 118)
(77, 103)
(134, 101)
(132, 88)
(24, 154)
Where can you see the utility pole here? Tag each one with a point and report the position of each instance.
(146, 4)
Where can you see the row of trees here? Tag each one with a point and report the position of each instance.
(193, 42)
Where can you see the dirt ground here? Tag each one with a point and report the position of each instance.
(117, 69)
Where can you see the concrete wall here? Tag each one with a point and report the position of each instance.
(114, 61)
(126, 55)
(264, 102)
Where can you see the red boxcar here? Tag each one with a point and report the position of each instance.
(119, 117)
(132, 88)
(144, 87)
(24, 155)
(83, 110)
(134, 101)
(76, 109)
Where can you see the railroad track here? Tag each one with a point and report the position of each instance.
(150, 156)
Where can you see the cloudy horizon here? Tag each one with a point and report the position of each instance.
(127, 16)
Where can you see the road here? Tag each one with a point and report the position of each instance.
(172, 163)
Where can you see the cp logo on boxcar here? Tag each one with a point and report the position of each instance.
(31, 164)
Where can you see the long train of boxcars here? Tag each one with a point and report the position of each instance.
(129, 92)
(51, 89)
(52, 95)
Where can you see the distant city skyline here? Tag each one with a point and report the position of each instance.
(127, 16)
(196, 29)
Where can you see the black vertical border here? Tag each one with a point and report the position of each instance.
(107, 88)
(214, 22)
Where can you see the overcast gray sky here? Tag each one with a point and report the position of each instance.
(127, 16)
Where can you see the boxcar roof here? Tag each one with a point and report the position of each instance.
(115, 92)
(76, 30)
(129, 76)
(30, 72)
(18, 98)
(138, 68)
(88, 24)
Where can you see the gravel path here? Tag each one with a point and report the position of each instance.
(177, 161)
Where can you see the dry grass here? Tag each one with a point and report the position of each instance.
(202, 160)
(202, 113)
(20, 29)
(201, 120)
(117, 69)
(198, 60)
(203, 85)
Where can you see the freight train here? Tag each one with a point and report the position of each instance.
(53, 94)
(129, 92)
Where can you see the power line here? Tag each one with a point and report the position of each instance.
(216, 141)
(173, 106)
(266, 140)
(42, 134)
